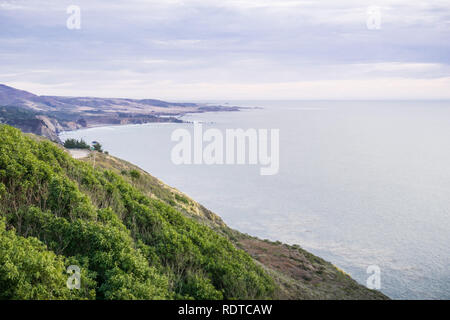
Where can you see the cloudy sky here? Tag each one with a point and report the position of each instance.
(228, 49)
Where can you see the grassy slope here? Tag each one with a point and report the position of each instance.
(298, 273)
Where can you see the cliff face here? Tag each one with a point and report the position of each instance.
(30, 122)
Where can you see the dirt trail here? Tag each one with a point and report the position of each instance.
(79, 153)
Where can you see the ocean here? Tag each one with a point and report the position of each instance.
(360, 183)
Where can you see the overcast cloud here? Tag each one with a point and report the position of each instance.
(228, 49)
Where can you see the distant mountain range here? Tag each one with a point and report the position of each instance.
(49, 115)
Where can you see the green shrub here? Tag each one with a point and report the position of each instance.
(135, 174)
(76, 144)
(29, 271)
(97, 147)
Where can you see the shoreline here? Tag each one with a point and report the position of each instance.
(179, 116)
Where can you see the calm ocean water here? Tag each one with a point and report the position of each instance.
(360, 183)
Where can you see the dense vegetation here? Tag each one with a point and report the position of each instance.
(76, 144)
(56, 211)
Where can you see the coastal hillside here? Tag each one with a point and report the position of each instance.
(49, 115)
(134, 237)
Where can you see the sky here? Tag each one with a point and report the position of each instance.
(228, 49)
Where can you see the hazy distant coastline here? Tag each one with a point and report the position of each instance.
(50, 115)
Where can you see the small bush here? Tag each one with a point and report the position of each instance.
(135, 174)
(97, 147)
